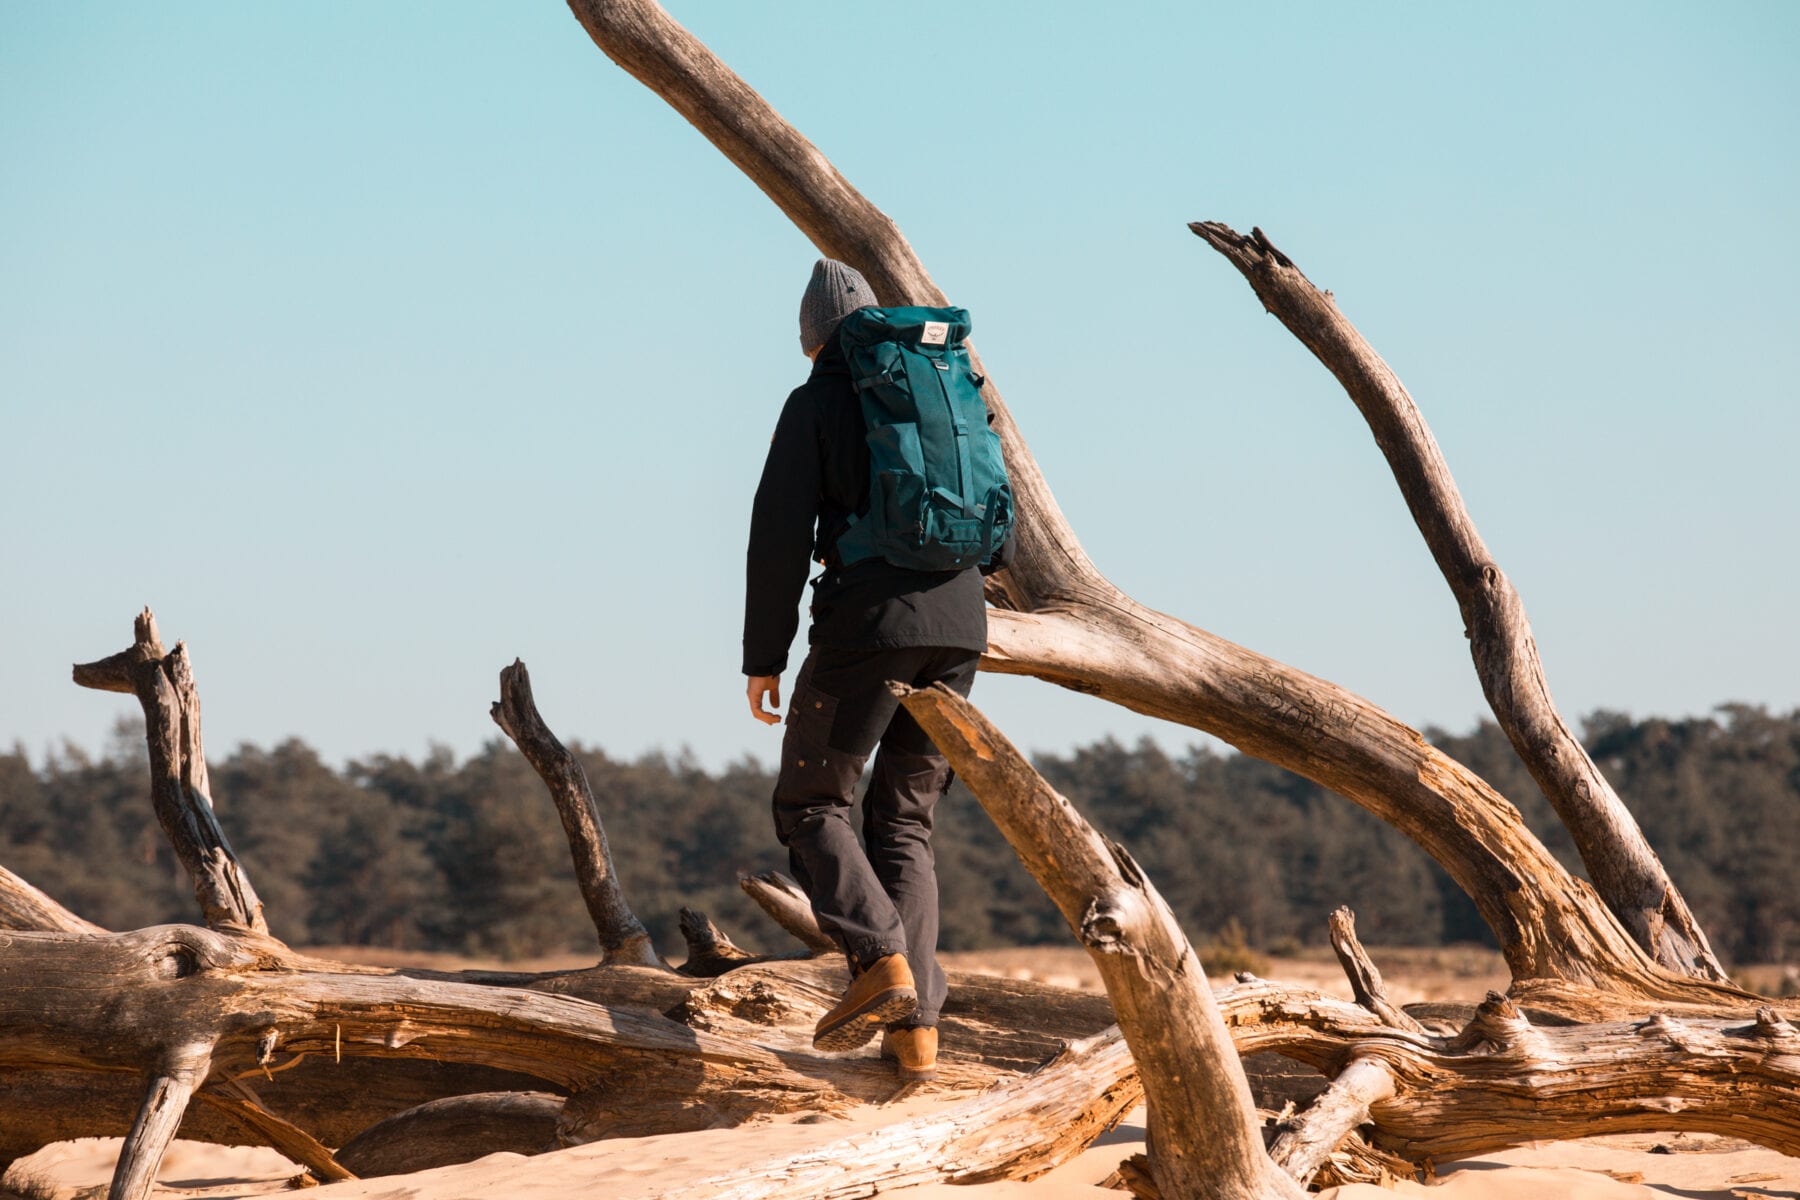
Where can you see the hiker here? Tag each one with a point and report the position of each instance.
(899, 598)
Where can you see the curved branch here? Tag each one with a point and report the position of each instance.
(1549, 924)
(1624, 869)
(643, 39)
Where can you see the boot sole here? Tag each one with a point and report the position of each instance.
(858, 1027)
(917, 1074)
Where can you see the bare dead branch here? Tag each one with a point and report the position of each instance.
(165, 1100)
(1624, 869)
(710, 952)
(1086, 634)
(1365, 980)
(623, 938)
(241, 1103)
(788, 907)
(164, 686)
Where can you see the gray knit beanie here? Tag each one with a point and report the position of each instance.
(833, 293)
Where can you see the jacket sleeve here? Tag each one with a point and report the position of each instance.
(781, 538)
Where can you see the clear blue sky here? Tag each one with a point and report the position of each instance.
(376, 344)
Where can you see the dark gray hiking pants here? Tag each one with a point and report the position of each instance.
(877, 896)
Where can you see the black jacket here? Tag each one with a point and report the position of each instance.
(816, 476)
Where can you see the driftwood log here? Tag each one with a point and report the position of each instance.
(1066, 623)
(1497, 1082)
(234, 1020)
(1202, 1119)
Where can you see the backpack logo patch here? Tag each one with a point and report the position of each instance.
(936, 332)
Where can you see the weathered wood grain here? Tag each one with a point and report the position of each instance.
(1307, 1141)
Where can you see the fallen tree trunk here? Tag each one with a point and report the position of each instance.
(1549, 924)
(331, 1101)
(1202, 1121)
(1073, 627)
(356, 1078)
(1498, 1082)
(124, 1001)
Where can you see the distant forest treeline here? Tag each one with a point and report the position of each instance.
(471, 857)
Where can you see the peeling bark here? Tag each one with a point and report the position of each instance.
(1307, 1141)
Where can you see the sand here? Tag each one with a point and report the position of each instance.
(1618, 1168)
(1627, 1167)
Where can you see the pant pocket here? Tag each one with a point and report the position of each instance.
(811, 714)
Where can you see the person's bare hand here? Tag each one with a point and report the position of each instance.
(761, 686)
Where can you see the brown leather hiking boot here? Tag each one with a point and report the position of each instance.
(880, 994)
(914, 1050)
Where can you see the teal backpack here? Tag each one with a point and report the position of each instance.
(938, 495)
